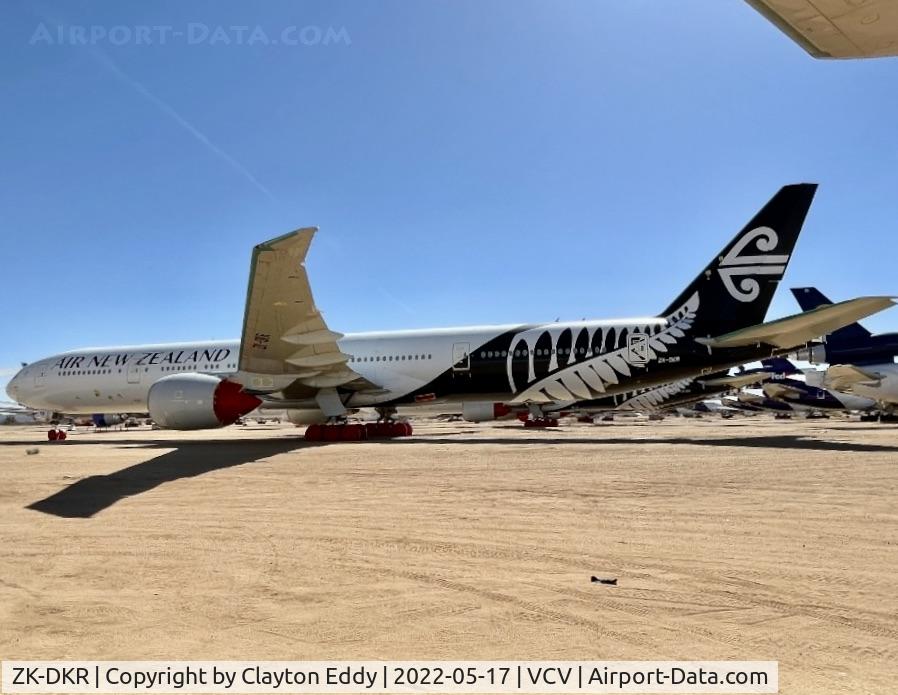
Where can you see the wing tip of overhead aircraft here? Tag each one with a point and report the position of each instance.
(855, 29)
(780, 22)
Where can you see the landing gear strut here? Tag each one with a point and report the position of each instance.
(537, 418)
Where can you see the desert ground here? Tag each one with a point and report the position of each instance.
(743, 539)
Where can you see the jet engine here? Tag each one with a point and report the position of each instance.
(815, 353)
(197, 401)
(107, 419)
(481, 411)
(313, 416)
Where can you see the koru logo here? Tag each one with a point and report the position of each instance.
(734, 264)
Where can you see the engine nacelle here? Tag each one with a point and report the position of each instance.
(313, 416)
(481, 411)
(107, 419)
(197, 402)
(815, 353)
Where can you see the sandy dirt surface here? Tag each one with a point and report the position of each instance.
(744, 539)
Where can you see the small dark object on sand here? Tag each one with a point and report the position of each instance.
(609, 582)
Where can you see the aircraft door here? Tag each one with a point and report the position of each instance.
(638, 349)
(40, 378)
(461, 357)
(133, 374)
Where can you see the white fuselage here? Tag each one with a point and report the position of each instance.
(117, 379)
(882, 390)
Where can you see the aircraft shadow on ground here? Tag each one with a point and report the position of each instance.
(764, 442)
(89, 496)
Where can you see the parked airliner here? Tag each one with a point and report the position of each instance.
(861, 364)
(289, 359)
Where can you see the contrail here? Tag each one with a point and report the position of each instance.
(167, 109)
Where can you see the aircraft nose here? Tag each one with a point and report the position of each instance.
(12, 388)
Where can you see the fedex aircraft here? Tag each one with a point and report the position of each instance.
(861, 364)
(289, 358)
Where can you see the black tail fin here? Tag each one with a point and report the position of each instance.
(735, 289)
(852, 335)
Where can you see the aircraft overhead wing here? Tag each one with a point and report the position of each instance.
(836, 28)
(800, 328)
(842, 377)
(285, 340)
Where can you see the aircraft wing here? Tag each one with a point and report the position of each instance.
(842, 377)
(800, 328)
(736, 381)
(750, 398)
(836, 28)
(778, 390)
(285, 340)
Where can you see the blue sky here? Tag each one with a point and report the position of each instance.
(466, 161)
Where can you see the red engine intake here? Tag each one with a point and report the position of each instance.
(197, 402)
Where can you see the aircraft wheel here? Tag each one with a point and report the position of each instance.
(353, 433)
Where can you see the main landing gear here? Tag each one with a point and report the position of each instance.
(342, 431)
(538, 419)
(541, 422)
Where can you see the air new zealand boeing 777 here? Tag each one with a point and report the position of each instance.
(289, 358)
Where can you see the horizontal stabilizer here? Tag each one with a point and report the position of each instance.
(798, 329)
(843, 376)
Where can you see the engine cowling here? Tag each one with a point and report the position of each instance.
(197, 402)
(481, 411)
(815, 353)
(313, 416)
(107, 419)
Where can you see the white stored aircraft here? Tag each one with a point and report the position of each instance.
(14, 414)
(289, 359)
(878, 382)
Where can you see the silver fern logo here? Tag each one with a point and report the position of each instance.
(734, 264)
(583, 376)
